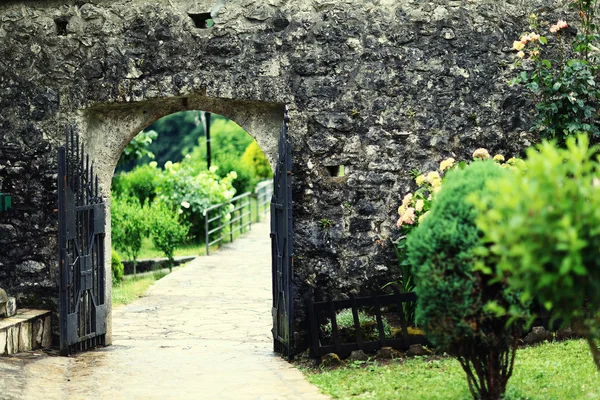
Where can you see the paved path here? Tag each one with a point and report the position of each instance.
(202, 332)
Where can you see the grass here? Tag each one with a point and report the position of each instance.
(562, 370)
(132, 288)
(189, 249)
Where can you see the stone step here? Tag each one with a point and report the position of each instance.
(28, 330)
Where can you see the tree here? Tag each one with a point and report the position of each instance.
(168, 233)
(457, 296)
(129, 227)
(543, 224)
(137, 149)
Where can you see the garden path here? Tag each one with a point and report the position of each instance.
(202, 332)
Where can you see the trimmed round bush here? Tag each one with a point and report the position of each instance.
(118, 270)
(457, 296)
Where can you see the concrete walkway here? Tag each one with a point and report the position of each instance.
(202, 332)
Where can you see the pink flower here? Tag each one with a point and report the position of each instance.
(558, 26)
(525, 39)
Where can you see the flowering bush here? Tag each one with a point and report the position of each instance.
(193, 193)
(415, 208)
(561, 77)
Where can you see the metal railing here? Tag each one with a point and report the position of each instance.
(226, 215)
(263, 193)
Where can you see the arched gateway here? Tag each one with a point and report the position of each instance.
(84, 225)
(379, 87)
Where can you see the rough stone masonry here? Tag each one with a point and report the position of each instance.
(381, 87)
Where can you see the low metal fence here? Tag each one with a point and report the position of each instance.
(263, 193)
(343, 343)
(234, 214)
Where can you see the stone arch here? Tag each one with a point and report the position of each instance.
(107, 129)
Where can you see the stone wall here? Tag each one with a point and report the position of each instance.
(380, 87)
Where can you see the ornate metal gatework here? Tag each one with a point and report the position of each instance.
(282, 248)
(82, 217)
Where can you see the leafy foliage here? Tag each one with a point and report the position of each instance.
(193, 193)
(129, 226)
(141, 183)
(254, 157)
(453, 294)
(562, 77)
(246, 179)
(543, 224)
(226, 138)
(168, 233)
(179, 133)
(137, 149)
(117, 267)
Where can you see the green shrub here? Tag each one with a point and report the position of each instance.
(254, 156)
(129, 227)
(141, 183)
(454, 297)
(168, 233)
(193, 193)
(544, 226)
(245, 180)
(118, 270)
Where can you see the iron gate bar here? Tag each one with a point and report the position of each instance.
(282, 247)
(82, 215)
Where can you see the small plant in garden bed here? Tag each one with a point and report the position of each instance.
(117, 267)
(368, 326)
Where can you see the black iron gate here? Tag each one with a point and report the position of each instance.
(282, 248)
(82, 216)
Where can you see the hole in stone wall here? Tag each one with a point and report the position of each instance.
(61, 26)
(336, 170)
(202, 20)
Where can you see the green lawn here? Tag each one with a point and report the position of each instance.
(132, 288)
(560, 371)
